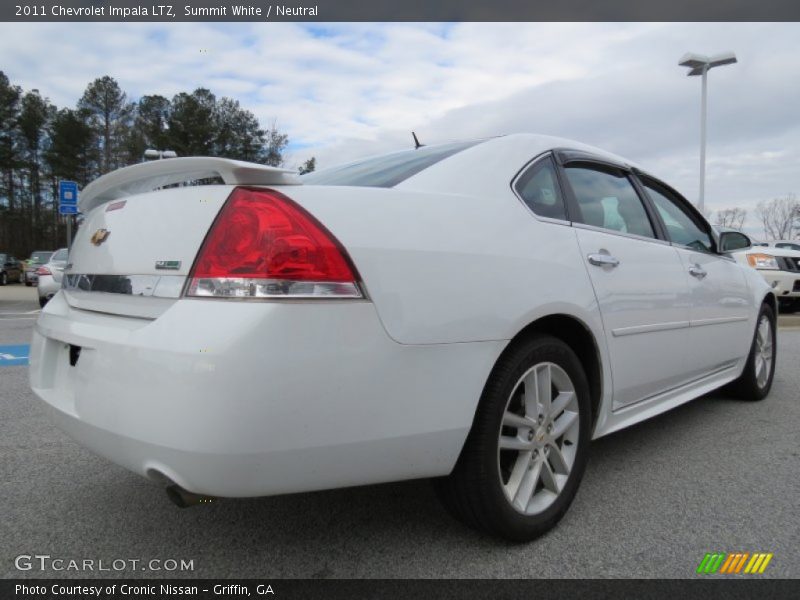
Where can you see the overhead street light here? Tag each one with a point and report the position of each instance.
(699, 64)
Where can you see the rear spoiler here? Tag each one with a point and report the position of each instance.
(150, 176)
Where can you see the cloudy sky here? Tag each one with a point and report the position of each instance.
(347, 90)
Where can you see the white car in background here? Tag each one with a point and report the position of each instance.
(37, 259)
(49, 276)
(475, 312)
(780, 267)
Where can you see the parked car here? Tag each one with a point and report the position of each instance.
(50, 275)
(786, 244)
(10, 269)
(474, 312)
(780, 268)
(36, 260)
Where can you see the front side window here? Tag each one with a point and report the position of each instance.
(538, 188)
(607, 199)
(682, 227)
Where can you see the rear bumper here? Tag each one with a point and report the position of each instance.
(47, 286)
(249, 398)
(785, 284)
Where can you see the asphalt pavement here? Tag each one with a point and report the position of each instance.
(714, 475)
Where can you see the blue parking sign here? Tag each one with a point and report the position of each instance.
(67, 195)
(67, 209)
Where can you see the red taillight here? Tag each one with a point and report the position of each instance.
(263, 245)
(43, 271)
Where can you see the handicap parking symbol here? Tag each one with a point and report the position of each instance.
(13, 356)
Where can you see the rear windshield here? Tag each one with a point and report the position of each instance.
(60, 255)
(40, 257)
(387, 170)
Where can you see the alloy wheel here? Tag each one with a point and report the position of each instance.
(538, 438)
(764, 351)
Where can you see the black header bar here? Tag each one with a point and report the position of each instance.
(709, 588)
(399, 10)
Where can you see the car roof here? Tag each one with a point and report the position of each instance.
(489, 167)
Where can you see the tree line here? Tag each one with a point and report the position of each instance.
(41, 144)
(779, 217)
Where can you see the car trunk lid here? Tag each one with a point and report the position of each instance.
(131, 256)
(143, 230)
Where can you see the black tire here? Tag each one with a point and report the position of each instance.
(3, 278)
(28, 283)
(746, 386)
(473, 493)
(789, 305)
(42, 301)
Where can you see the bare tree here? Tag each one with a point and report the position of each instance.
(731, 217)
(276, 144)
(779, 217)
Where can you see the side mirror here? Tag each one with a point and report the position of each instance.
(730, 241)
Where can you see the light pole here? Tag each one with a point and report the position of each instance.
(700, 65)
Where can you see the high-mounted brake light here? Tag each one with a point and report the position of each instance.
(264, 245)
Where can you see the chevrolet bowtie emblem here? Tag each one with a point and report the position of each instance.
(100, 236)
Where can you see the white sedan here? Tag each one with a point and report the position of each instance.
(48, 280)
(475, 312)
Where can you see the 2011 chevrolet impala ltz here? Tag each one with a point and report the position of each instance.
(474, 312)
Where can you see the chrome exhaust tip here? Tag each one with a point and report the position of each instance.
(184, 499)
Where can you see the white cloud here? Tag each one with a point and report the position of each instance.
(344, 90)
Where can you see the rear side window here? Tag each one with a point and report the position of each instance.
(682, 227)
(40, 257)
(387, 170)
(607, 199)
(538, 188)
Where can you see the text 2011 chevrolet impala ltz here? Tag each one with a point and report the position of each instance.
(475, 312)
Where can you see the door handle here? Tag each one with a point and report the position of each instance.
(602, 260)
(697, 271)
